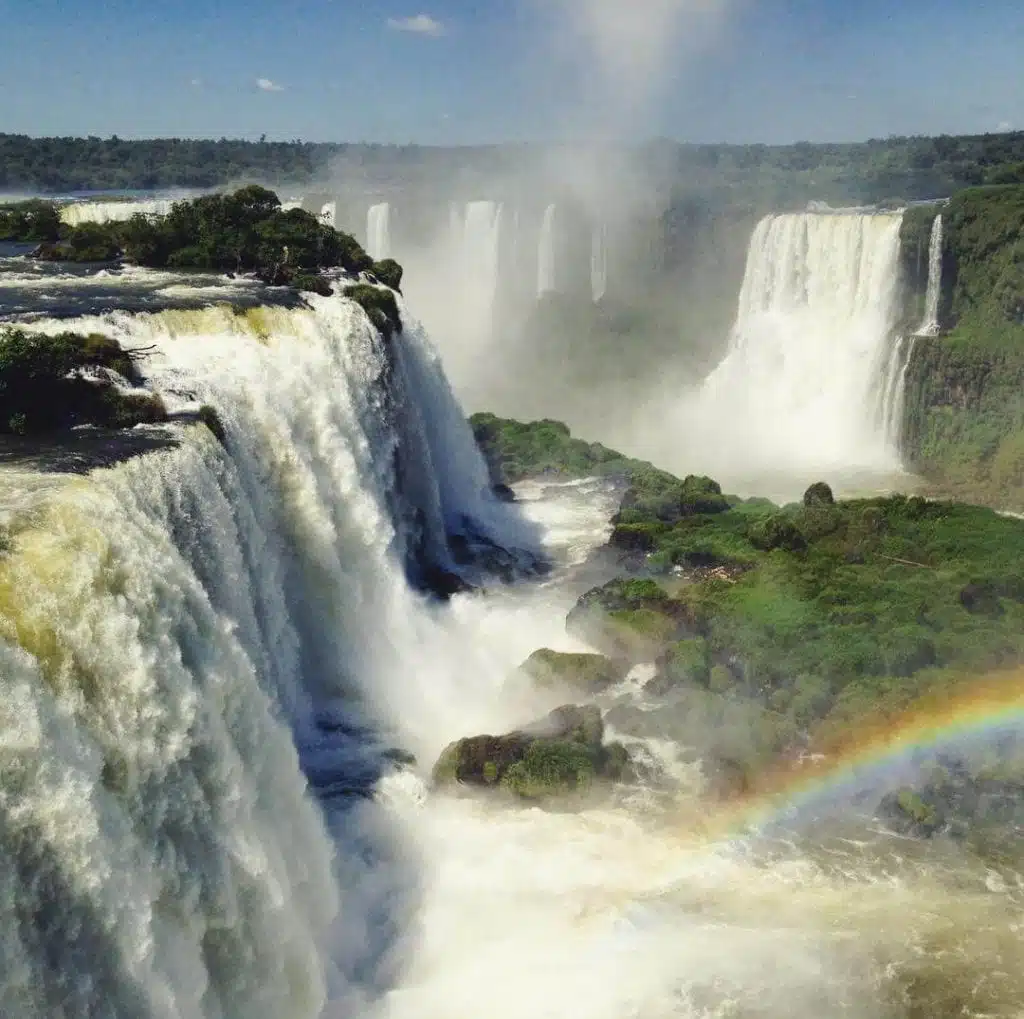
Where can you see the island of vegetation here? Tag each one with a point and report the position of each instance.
(245, 231)
(775, 629)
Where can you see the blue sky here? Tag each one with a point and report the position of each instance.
(464, 71)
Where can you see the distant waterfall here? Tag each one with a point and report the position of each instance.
(378, 231)
(930, 323)
(329, 213)
(599, 261)
(546, 253)
(478, 261)
(78, 213)
(810, 379)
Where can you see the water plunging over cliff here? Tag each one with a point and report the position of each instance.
(168, 624)
(78, 213)
(807, 382)
(546, 280)
(930, 323)
(378, 231)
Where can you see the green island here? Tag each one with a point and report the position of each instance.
(778, 629)
(242, 231)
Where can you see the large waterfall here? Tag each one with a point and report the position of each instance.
(169, 623)
(546, 281)
(805, 383)
(378, 231)
(930, 323)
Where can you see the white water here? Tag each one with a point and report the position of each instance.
(930, 323)
(546, 279)
(171, 620)
(599, 262)
(78, 213)
(329, 213)
(810, 378)
(378, 231)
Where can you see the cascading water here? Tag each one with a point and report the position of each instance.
(78, 213)
(167, 623)
(329, 213)
(930, 323)
(808, 382)
(478, 264)
(378, 231)
(546, 278)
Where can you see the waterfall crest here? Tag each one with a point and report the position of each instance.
(169, 629)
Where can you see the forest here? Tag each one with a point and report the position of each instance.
(892, 169)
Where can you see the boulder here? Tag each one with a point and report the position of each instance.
(559, 754)
(587, 673)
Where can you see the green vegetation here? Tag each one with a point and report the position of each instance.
(559, 755)
(380, 306)
(29, 221)
(245, 231)
(44, 386)
(585, 672)
(964, 410)
(388, 272)
(817, 614)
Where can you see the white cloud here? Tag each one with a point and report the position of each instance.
(196, 83)
(1004, 125)
(266, 85)
(420, 24)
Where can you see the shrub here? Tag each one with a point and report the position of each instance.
(380, 306)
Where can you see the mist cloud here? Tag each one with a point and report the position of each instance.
(633, 48)
(420, 24)
(266, 85)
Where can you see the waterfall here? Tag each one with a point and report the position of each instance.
(78, 213)
(809, 379)
(546, 279)
(478, 263)
(378, 231)
(329, 213)
(169, 624)
(599, 261)
(930, 323)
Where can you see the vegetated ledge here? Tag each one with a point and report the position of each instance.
(775, 630)
(246, 231)
(963, 426)
(52, 383)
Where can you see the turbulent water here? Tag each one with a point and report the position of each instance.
(930, 323)
(215, 670)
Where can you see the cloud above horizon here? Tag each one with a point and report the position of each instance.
(419, 24)
(266, 85)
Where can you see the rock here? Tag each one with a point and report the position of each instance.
(557, 755)
(503, 493)
(588, 673)
(819, 494)
(442, 583)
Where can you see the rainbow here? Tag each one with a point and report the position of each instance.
(880, 754)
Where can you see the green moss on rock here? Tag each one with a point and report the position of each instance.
(380, 306)
(588, 673)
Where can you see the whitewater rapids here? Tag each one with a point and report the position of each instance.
(213, 661)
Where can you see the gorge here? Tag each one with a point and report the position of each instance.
(232, 660)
